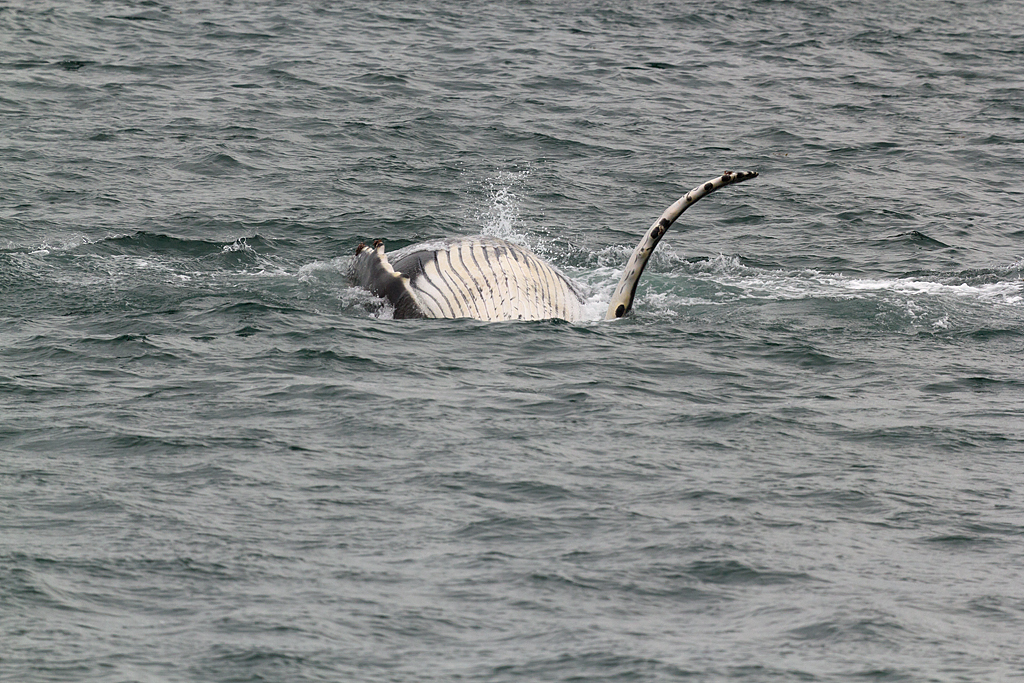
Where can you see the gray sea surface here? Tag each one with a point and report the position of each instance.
(801, 458)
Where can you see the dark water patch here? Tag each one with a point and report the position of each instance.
(85, 441)
(839, 499)
(995, 529)
(74, 64)
(77, 503)
(497, 528)
(592, 665)
(930, 438)
(250, 309)
(27, 64)
(974, 384)
(996, 606)
(147, 15)
(988, 334)
(512, 492)
(715, 426)
(803, 355)
(217, 164)
(335, 358)
(143, 243)
(43, 586)
(21, 586)
(664, 585)
(921, 240)
(558, 582)
(732, 572)
(43, 577)
(873, 628)
(959, 541)
(259, 662)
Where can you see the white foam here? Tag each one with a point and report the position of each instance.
(798, 284)
(725, 280)
(337, 265)
(1010, 293)
(57, 244)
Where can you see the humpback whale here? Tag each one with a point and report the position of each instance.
(488, 278)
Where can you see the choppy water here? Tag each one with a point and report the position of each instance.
(799, 460)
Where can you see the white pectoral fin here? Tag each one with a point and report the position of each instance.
(622, 298)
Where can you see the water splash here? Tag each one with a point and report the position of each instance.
(501, 217)
(241, 244)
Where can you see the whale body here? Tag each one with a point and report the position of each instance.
(488, 278)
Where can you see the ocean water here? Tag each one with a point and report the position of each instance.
(799, 459)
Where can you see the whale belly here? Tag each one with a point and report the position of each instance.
(485, 278)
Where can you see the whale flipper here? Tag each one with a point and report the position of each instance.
(372, 270)
(622, 298)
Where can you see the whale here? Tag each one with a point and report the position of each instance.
(491, 279)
